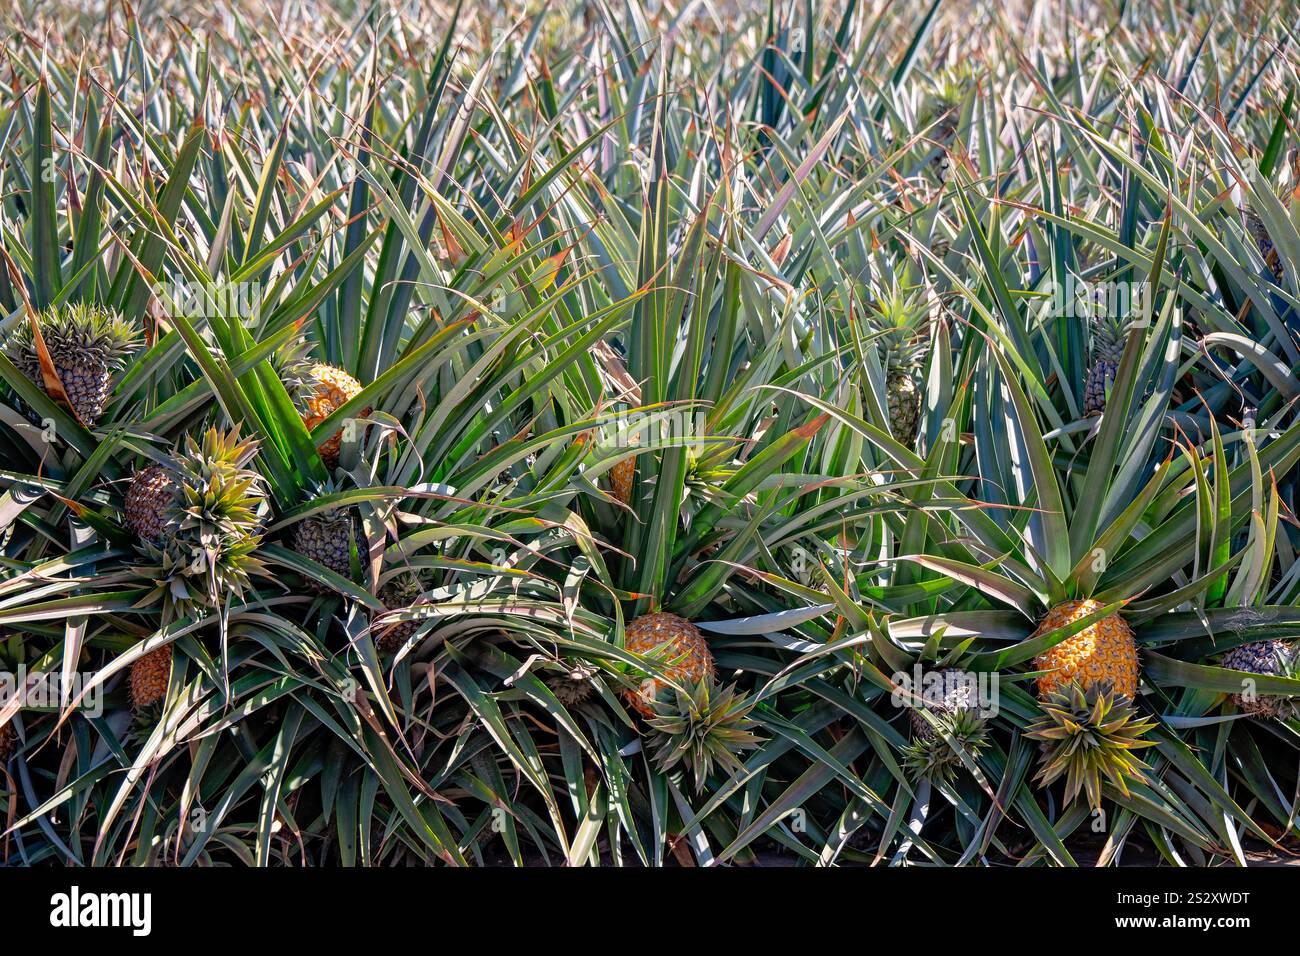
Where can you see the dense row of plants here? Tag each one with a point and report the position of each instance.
(649, 433)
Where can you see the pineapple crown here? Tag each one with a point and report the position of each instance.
(936, 752)
(898, 320)
(78, 330)
(951, 86)
(219, 495)
(948, 717)
(1108, 332)
(1090, 737)
(217, 507)
(189, 580)
(402, 589)
(704, 725)
(942, 104)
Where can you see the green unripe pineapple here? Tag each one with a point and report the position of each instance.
(898, 324)
(328, 539)
(398, 592)
(1270, 658)
(1107, 349)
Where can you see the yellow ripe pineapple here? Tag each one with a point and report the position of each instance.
(678, 644)
(327, 388)
(1104, 651)
(620, 479)
(150, 676)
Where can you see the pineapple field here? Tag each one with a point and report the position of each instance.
(649, 433)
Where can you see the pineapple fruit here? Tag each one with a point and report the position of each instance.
(327, 388)
(1263, 241)
(621, 475)
(1104, 651)
(1273, 658)
(904, 399)
(401, 591)
(197, 519)
(328, 539)
(86, 345)
(8, 741)
(149, 499)
(620, 479)
(955, 708)
(150, 676)
(898, 322)
(1089, 727)
(572, 686)
(1107, 349)
(677, 643)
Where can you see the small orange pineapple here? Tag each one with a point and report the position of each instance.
(329, 389)
(150, 676)
(620, 479)
(1104, 651)
(674, 641)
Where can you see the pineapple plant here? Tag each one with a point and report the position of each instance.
(998, 527)
(196, 518)
(1272, 658)
(1087, 548)
(86, 345)
(941, 112)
